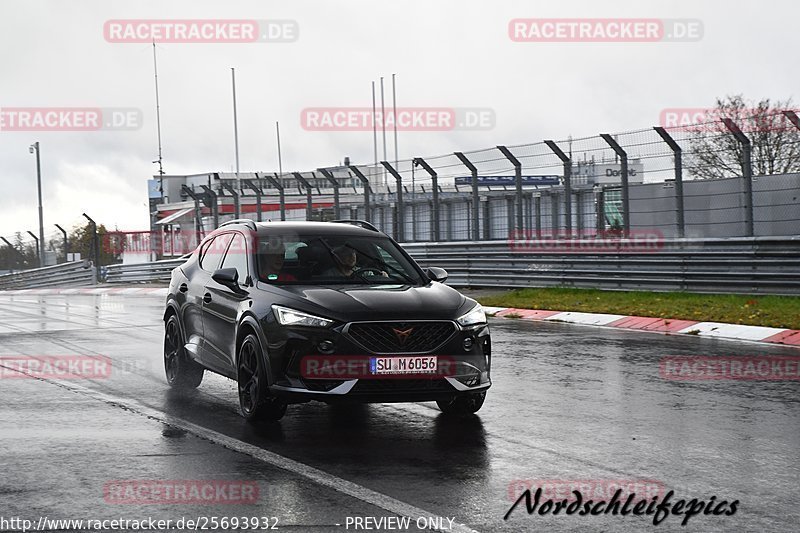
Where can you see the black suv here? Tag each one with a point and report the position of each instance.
(327, 311)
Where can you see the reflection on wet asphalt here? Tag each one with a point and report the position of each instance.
(568, 404)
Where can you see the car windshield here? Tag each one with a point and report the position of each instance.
(333, 260)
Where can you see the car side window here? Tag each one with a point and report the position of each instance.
(236, 257)
(214, 251)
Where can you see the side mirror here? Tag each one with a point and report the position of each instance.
(436, 274)
(228, 277)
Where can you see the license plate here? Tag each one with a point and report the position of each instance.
(403, 365)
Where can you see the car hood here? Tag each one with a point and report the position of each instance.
(379, 302)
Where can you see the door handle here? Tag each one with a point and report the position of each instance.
(183, 288)
(207, 297)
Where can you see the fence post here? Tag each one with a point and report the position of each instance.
(401, 216)
(475, 200)
(747, 172)
(309, 201)
(623, 158)
(418, 161)
(198, 222)
(276, 182)
(792, 116)
(364, 181)
(249, 184)
(567, 183)
(600, 194)
(95, 246)
(329, 176)
(17, 252)
(39, 257)
(212, 203)
(676, 149)
(236, 208)
(487, 219)
(517, 186)
(66, 242)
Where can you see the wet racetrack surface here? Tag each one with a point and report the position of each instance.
(569, 404)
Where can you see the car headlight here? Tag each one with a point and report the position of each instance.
(291, 317)
(475, 316)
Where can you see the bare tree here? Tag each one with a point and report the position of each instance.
(715, 153)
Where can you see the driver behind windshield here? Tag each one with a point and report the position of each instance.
(345, 258)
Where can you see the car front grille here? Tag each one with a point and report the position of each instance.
(401, 337)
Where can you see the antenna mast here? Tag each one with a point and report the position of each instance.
(158, 115)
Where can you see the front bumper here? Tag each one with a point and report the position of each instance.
(469, 368)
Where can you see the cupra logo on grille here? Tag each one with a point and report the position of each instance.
(403, 335)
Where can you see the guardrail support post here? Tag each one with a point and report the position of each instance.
(623, 158)
(259, 193)
(399, 228)
(418, 161)
(517, 187)
(475, 200)
(567, 183)
(309, 201)
(365, 182)
(676, 149)
(747, 172)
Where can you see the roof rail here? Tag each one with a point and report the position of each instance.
(361, 223)
(246, 221)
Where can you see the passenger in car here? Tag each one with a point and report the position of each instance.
(271, 256)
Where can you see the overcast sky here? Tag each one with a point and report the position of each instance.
(446, 54)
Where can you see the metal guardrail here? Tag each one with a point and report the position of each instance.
(74, 274)
(742, 266)
(761, 265)
(157, 271)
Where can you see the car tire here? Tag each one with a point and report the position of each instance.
(462, 405)
(180, 370)
(255, 403)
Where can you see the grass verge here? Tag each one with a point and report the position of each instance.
(773, 311)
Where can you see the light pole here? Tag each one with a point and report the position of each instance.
(95, 246)
(34, 148)
(38, 256)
